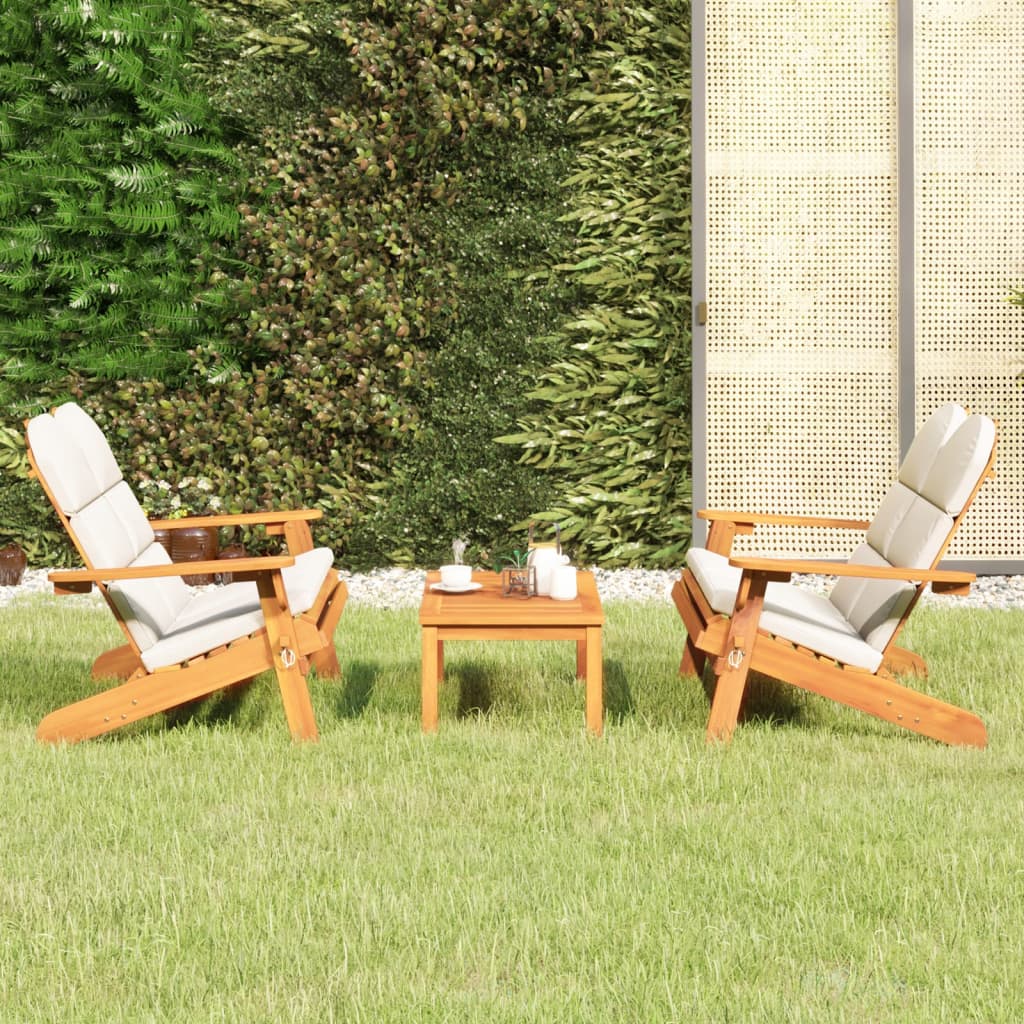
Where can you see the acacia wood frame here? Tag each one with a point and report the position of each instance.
(288, 644)
(735, 644)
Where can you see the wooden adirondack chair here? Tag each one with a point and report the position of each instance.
(180, 644)
(743, 614)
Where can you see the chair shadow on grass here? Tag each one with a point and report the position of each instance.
(765, 700)
(228, 705)
(244, 703)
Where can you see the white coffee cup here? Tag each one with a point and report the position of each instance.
(563, 583)
(456, 575)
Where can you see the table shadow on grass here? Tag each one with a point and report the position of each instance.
(476, 695)
(618, 696)
(355, 688)
(476, 691)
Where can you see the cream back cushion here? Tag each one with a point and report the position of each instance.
(913, 523)
(73, 456)
(81, 472)
(927, 444)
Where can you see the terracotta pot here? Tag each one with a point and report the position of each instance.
(163, 538)
(231, 551)
(195, 544)
(12, 565)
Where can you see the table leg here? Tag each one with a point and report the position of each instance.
(431, 658)
(581, 659)
(595, 681)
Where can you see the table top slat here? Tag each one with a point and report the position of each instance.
(488, 607)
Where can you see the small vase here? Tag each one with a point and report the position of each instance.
(195, 544)
(12, 565)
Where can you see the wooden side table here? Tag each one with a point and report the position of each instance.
(484, 614)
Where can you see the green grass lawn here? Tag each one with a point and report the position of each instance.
(201, 867)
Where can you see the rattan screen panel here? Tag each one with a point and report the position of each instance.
(800, 193)
(969, 240)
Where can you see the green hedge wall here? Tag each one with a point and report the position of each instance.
(456, 228)
(360, 291)
(449, 478)
(613, 429)
(26, 518)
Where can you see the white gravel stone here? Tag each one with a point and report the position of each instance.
(402, 588)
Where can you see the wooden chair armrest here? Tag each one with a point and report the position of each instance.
(76, 580)
(271, 518)
(948, 579)
(772, 519)
(726, 524)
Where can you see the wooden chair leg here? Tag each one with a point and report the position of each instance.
(325, 661)
(119, 663)
(733, 667)
(143, 695)
(298, 708)
(110, 710)
(895, 703)
(902, 662)
(693, 661)
(730, 685)
(283, 649)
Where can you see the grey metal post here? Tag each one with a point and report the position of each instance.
(905, 225)
(698, 172)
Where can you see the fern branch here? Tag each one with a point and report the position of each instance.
(140, 179)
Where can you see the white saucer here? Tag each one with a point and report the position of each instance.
(464, 588)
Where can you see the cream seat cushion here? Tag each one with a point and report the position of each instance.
(169, 621)
(790, 612)
(222, 614)
(855, 623)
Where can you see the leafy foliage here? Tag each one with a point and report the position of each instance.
(326, 374)
(26, 517)
(269, 63)
(31, 524)
(449, 479)
(1017, 298)
(115, 194)
(407, 168)
(612, 423)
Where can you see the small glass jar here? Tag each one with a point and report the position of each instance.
(518, 581)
